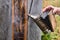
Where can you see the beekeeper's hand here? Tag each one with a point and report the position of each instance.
(56, 10)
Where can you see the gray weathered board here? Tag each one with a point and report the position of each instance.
(5, 20)
(34, 33)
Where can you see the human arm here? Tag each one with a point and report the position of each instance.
(56, 10)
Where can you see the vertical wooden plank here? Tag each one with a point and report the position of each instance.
(26, 21)
(21, 6)
(12, 19)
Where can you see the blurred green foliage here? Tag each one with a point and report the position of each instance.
(46, 37)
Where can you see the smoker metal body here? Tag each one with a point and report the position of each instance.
(45, 22)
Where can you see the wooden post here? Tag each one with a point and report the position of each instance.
(22, 7)
(12, 19)
(26, 21)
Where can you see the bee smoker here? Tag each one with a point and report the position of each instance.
(46, 24)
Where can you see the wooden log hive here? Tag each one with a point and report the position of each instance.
(19, 20)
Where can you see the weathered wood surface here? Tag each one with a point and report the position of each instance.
(26, 19)
(34, 33)
(5, 19)
(13, 11)
(19, 19)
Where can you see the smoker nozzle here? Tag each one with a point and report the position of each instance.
(33, 17)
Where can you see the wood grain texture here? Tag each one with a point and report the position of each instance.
(13, 19)
(26, 19)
